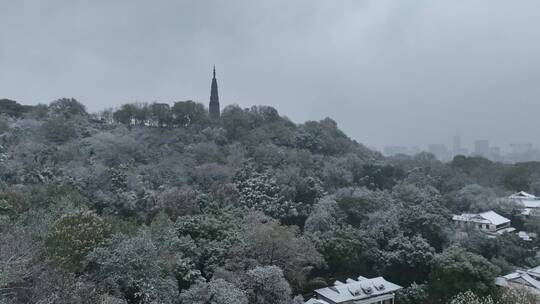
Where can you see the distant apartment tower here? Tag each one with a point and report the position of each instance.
(440, 151)
(457, 149)
(415, 150)
(394, 150)
(521, 152)
(521, 148)
(456, 144)
(481, 147)
(495, 153)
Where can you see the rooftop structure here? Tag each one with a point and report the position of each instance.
(528, 279)
(522, 195)
(527, 236)
(490, 222)
(529, 201)
(360, 291)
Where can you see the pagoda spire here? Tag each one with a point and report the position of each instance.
(213, 108)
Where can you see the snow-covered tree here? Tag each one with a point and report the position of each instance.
(214, 292)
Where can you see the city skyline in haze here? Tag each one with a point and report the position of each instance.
(513, 152)
(389, 73)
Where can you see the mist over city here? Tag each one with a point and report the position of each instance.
(514, 152)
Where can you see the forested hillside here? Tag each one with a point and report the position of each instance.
(152, 203)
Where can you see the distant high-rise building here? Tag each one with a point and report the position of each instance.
(456, 144)
(440, 151)
(521, 152)
(521, 148)
(394, 150)
(214, 99)
(481, 147)
(415, 150)
(495, 153)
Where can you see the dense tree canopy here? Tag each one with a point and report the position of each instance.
(156, 203)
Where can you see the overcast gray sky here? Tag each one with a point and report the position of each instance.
(389, 72)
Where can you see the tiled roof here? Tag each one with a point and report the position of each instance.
(494, 217)
(528, 200)
(530, 276)
(522, 195)
(489, 217)
(356, 290)
(316, 301)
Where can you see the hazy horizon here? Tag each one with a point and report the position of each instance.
(390, 73)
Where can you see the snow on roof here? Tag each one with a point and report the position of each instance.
(488, 217)
(534, 282)
(470, 217)
(530, 276)
(534, 204)
(535, 270)
(512, 276)
(528, 200)
(494, 217)
(506, 230)
(522, 195)
(316, 301)
(524, 235)
(356, 290)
